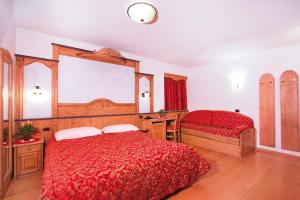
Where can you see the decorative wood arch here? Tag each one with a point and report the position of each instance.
(289, 104)
(149, 77)
(21, 62)
(267, 110)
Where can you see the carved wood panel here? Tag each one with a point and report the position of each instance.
(96, 107)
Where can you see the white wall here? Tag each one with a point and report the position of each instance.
(38, 44)
(5, 91)
(7, 26)
(210, 87)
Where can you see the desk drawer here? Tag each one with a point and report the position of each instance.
(29, 148)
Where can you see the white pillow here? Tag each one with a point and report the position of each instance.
(119, 128)
(73, 133)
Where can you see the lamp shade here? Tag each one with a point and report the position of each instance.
(142, 12)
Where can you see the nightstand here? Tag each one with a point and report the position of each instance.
(28, 158)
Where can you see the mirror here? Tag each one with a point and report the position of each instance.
(146, 99)
(5, 151)
(144, 95)
(37, 96)
(105, 80)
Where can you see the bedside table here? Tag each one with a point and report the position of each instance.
(28, 158)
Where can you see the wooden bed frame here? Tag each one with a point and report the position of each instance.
(237, 147)
(97, 113)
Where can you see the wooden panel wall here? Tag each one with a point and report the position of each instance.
(95, 107)
(267, 110)
(289, 97)
(95, 121)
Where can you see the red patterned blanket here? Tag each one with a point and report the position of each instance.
(128, 165)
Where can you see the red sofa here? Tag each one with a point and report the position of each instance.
(224, 131)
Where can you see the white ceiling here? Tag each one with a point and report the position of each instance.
(188, 33)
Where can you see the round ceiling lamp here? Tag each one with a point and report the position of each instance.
(142, 12)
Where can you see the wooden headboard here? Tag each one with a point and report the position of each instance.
(96, 107)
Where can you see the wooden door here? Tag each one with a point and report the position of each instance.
(289, 103)
(159, 130)
(267, 110)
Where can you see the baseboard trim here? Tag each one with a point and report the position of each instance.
(281, 154)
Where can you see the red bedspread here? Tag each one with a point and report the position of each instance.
(128, 165)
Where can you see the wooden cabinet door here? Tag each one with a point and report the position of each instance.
(289, 103)
(267, 110)
(158, 130)
(5, 160)
(28, 163)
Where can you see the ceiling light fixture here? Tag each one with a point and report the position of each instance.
(142, 12)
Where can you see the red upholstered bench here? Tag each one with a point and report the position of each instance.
(228, 132)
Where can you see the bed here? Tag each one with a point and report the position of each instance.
(129, 165)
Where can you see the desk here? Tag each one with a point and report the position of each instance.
(155, 127)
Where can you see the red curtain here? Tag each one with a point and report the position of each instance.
(175, 94)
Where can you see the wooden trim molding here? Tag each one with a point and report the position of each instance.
(139, 73)
(175, 76)
(21, 62)
(90, 55)
(101, 115)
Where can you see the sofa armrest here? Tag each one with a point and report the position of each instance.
(248, 141)
(241, 128)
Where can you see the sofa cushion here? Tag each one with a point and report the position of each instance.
(202, 117)
(212, 130)
(231, 120)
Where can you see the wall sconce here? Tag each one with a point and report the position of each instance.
(237, 80)
(146, 94)
(37, 91)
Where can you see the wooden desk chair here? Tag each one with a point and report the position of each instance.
(173, 129)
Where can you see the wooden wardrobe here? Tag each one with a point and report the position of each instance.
(6, 119)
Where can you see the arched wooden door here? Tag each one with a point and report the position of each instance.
(267, 110)
(289, 103)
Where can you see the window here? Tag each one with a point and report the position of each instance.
(175, 92)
